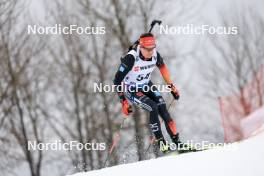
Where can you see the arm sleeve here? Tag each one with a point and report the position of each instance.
(126, 65)
(163, 69)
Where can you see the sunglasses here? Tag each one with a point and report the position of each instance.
(148, 49)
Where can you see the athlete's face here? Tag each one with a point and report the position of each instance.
(147, 52)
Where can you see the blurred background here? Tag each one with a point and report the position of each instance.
(46, 81)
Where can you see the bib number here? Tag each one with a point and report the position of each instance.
(142, 76)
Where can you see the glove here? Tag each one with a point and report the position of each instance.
(126, 107)
(174, 91)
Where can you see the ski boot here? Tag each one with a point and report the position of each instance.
(182, 147)
(162, 145)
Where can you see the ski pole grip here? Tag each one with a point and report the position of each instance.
(176, 97)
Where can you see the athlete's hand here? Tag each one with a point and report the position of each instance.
(175, 92)
(126, 107)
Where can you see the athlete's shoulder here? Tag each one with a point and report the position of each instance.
(158, 54)
(128, 60)
(133, 52)
(159, 60)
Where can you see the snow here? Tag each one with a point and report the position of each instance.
(253, 124)
(239, 159)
